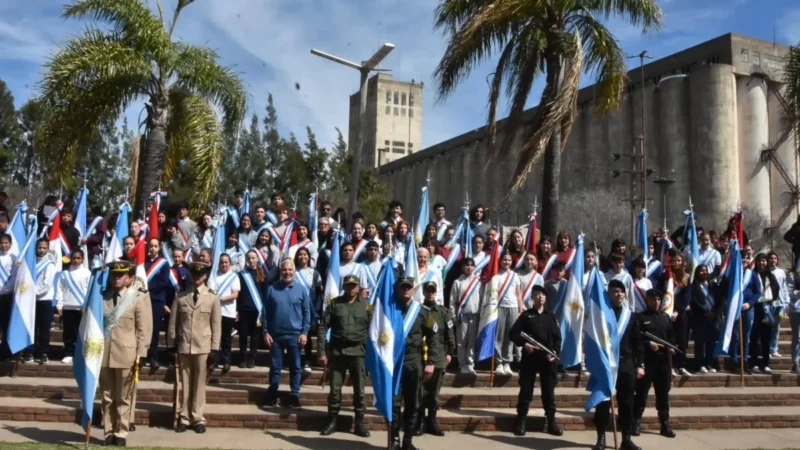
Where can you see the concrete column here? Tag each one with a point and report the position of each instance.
(673, 134)
(780, 200)
(753, 131)
(715, 162)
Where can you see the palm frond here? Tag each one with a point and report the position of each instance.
(132, 20)
(640, 13)
(176, 135)
(494, 93)
(451, 14)
(198, 72)
(791, 80)
(604, 59)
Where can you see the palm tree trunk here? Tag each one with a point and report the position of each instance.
(552, 156)
(151, 161)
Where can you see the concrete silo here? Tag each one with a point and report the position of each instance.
(753, 131)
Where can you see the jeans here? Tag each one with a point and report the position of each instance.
(774, 332)
(795, 318)
(293, 351)
(747, 328)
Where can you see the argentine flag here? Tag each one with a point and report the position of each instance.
(23, 312)
(692, 246)
(17, 228)
(219, 245)
(80, 221)
(641, 233)
(571, 314)
(333, 280)
(89, 347)
(734, 300)
(603, 332)
(115, 248)
(245, 208)
(411, 268)
(423, 218)
(312, 219)
(385, 345)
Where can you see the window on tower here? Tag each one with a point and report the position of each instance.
(403, 99)
(396, 98)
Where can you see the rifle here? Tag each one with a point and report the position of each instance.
(660, 341)
(539, 345)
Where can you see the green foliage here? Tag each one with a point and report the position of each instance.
(10, 132)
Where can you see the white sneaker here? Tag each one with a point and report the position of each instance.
(767, 369)
(712, 370)
(756, 370)
(507, 369)
(674, 373)
(775, 355)
(67, 360)
(234, 332)
(703, 370)
(499, 370)
(471, 371)
(306, 369)
(583, 368)
(684, 373)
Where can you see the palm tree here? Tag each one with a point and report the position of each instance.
(96, 75)
(555, 38)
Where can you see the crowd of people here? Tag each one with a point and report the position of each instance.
(268, 286)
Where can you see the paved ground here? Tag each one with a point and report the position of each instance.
(289, 439)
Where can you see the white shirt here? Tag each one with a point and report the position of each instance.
(351, 268)
(237, 259)
(373, 268)
(783, 290)
(44, 281)
(65, 299)
(510, 299)
(441, 229)
(228, 307)
(478, 258)
(7, 261)
(312, 249)
(438, 263)
(710, 258)
(645, 285)
(627, 280)
(312, 279)
(472, 303)
(524, 280)
(423, 277)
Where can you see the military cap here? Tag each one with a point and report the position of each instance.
(351, 279)
(405, 281)
(198, 268)
(429, 286)
(120, 267)
(616, 284)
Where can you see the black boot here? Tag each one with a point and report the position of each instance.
(636, 428)
(627, 443)
(601, 441)
(419, 426)
(360, 430)
(431, 427)
(519, 425)
(666, 429)
(330, 427)
(552, 426)
(395, 432)
(407, 444)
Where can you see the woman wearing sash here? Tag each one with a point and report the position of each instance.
(544, 250)
(7, 261)
(45, 272)
(528, 278)
(589, 264)
(247, 235)
(371, 233)
(312, 283)
(465, 303)
(436, 261)
(480, 257)
(504, 288)
(705, 306)
(680, 314)
(227, 286)
(268, 254)
(249, 305)
(764, 317)
(641, 284)
(70, 295)
(515, 246)
(751, 294)
(203, 237)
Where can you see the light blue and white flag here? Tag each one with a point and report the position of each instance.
(313, 219)
(80, 221)
(333, 280)
(692, 246)
(411, 268)
(218, 245)
(17, 227)
(245, 208)
(115, 247)
(423, 218)
(23, 311)
(89, 347)
(734, 299)
(570, 317)
(603, 332)
(641, 233)
(385, 346)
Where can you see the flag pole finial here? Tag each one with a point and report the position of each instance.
(466, 200)
(535, 203)
(428, 178)
(85, 176)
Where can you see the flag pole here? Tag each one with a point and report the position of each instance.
(741, 351)
(614, 419)
(388, 435)
(88, 434)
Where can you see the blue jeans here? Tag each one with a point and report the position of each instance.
(293, 351)
(747, 327)
(774, 332)
(795, 318)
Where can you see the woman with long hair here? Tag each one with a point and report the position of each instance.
(764, 317)
(371, 233)
(681, 299)
(505, 294)
(515, 246)
(706, 300)
(247, 235)
(269, 255)
(227, 284)
(430, 232)
(544, 252)
(311, 281)
(250, 302)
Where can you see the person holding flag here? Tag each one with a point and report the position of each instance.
(249, 308)
(236, 254)
(441, 223)
(751, 293)
(679, 278)
(45, 274)
(193, 334)
(542, 326)
(71, 291)
(160, 288)
(465, 303)
(630, 367)
(311, 281)
(127, 330)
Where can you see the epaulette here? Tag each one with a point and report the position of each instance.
(212, 291)
(427, 308)
(143, 290)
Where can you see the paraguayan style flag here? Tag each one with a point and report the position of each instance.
(571, 314)
(23, 312)
(487, 325)
(89, 347)
(385, 346)
(734, 299)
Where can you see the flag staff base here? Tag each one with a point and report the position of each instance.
(741, 351)
(491, 375)
(388, 434)
(88, 434)
(614, 419)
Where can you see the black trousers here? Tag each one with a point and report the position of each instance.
(227, 340)
(5, 316)
(547, 377)
(249, 331)
(42, 325)
(71, 321)
(626, 388)
(409, 394)
(658, 375)
(680, 329)
(759, 340)
(158, 323)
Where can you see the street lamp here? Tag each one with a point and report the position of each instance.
(364, 68)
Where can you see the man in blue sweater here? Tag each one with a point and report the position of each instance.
(288, 318)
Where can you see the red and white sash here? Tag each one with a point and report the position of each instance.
(155, 267)
(473, 284)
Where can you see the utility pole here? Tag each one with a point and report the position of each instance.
(364, 69)
(665, 182)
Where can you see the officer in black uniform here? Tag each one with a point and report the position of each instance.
(631, 367)
(411, 372)
(657, 364)
(542, 326)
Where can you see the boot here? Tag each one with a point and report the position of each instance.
(359, 428)
(519, 425)
(666, 429)
(636, 428)
(552, 426)
(431, 427)
(601, 441)
(407, 444)
(627, 443)
(330, 427)
(419, 425)
(395, 432)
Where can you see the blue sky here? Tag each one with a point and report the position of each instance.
(268, 42)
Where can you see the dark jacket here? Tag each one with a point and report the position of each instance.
(158, 286)
(245, 301)
(541, 326)
(711, 302)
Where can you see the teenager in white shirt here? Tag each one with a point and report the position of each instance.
(227, 286)
(709, 256)
(46, 271)
(481, 258)
(465, 307)
(436, 261)
(440, 222)
(783, 295)
(70, 295)
(304, 242)
(504, 291)
(641, 284)
(347, 265)
(235, 253)
(618, 272)
(528, 278)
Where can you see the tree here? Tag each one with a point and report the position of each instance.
(373, 193)
(557, 39)
(597, 213)
(27, 164)
(128, 54)
(9, 128)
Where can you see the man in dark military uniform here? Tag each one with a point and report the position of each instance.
(438, 345)
(631, 367)
(657, 364)
(542, 326)
(412, 366)
(347, 317)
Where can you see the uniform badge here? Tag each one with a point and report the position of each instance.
(435, 327)
(449, 324)
(369, 307)
(430, 322)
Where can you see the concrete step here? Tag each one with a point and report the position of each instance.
(481, 380)
(454, 420)
(450, 397)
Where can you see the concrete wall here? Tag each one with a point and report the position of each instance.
(753, 131)
(673, 134)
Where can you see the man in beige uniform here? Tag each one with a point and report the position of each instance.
(127, 327)
(195, 326)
